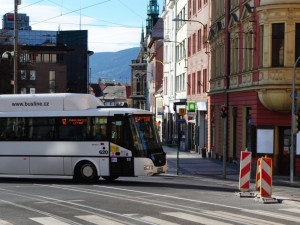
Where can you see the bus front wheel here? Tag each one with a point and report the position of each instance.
(86, 172)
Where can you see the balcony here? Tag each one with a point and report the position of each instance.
(278, 2)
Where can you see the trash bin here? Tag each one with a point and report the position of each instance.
(203, 152)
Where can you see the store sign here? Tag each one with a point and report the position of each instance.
(192, 106)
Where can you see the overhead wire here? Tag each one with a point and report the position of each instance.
(91, 16)
(99, 3)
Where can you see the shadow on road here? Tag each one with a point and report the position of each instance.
(165, 183)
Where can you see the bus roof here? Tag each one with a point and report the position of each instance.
(48, 102)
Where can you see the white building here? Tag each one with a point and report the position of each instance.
(175, 67)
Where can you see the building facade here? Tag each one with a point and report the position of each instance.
(139, 77)
(167, 15)
(253, 50)
(175, 61)
(139, 89)
(49, 62)
(198, 70)
(155, 71)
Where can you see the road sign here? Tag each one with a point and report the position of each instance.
(178, 121)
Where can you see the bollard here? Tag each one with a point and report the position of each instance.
(245, 171)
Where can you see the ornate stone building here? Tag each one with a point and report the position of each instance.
(254, 46)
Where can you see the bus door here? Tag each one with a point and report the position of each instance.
(121, 158)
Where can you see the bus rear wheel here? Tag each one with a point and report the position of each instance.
(86, 172)
(110, 178)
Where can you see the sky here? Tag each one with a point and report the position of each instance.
(112, 25)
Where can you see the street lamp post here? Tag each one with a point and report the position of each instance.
(15, 83)
(184, 20)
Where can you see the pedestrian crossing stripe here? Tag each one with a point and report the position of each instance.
(98, 220)
(48, 221)
(2, 222)
(240, 218)
(157, 221)
(218, 217)
(273, 215)
(294, 210)
(196, 219)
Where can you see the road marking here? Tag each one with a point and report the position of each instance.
(240, 218)
(193, 218)
(290, 218)
(98, 220)
(48, 221)
(274, 215)
(66, 202)
(158, 221)
(3, 222)
(53, 202)
(38, 211)
(294, 210)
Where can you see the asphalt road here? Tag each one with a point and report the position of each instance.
(143, 200)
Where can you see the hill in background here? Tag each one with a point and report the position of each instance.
(113, 65)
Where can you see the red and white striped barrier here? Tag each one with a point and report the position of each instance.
(245, 171)
(258, 168)
(266, 177)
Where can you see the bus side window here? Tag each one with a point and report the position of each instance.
(99, 129)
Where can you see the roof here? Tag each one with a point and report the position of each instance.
(114, 92)
(158, 29)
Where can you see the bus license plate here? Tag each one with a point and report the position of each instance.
(160, 170)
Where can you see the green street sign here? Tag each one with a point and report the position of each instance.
(192, 106)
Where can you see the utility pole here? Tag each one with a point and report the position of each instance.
(15, 83)
(294, 97)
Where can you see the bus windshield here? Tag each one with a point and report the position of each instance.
(147, 134)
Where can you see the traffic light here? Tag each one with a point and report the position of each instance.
(223, 111)
(295, 122)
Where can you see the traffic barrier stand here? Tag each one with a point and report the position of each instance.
(266, 181)
(245, 172)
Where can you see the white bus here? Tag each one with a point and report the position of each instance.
(74, 134)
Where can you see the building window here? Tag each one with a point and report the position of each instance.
(189, 9)
(189, 46)
(204, 83)
(189, 84)
(199, 4)
(32, 74)
(234, 4)
(32, 90)
(277, 44)
(198, 82)
(194, 43)
(235, 55)
(23, 74)
(205, 36)
(193, 84)
(261, 45)
(199, 39)
(194, 7)
(213, 62)
(52, 81)
(23, 90)
(248, 50)
(166, 85)
(297, 45)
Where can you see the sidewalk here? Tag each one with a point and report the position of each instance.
(192, 164)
